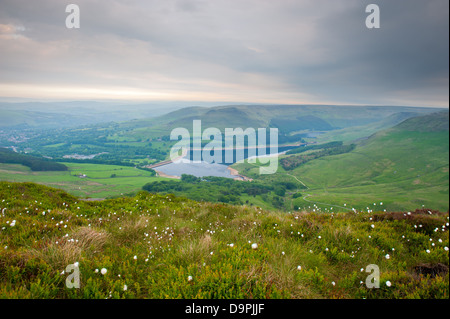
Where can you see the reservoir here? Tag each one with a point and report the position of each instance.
(202, 169)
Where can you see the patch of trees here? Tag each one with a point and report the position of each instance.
(314, 147)
(214, 189)
(34, 163)
(225, 190)
(294, 161)
(152, 171)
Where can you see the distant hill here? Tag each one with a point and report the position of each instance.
(288, 118)
(301, 123)
(435, 122)
(51, 115)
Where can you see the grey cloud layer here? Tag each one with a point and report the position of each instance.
(319, 49)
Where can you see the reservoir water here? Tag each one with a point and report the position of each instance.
(202, 169)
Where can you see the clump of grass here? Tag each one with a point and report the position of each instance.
(60, 252)
(88, 238)
(194, 251)
(58, 255)
(129, 231)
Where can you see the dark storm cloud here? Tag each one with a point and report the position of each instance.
(304, 51)
(408, 52)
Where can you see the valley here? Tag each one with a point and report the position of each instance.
(362, 157)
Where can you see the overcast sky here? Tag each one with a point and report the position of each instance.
(261, 51)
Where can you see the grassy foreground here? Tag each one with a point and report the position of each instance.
(154, 246)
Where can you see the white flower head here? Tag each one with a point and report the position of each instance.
(254, 246)
(103, 271)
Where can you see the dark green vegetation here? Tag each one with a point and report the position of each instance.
(225, 190)
(34, 163)
(150, 245)
(314, 147)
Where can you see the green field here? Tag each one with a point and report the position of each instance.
(99, 182)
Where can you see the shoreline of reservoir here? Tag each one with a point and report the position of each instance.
(169, 169)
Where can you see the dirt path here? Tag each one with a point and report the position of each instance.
(308, 195)
(297, 180)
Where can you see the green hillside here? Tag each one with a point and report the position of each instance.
(350, 134)
(435, 122)
(404, 168)
(155, 246)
